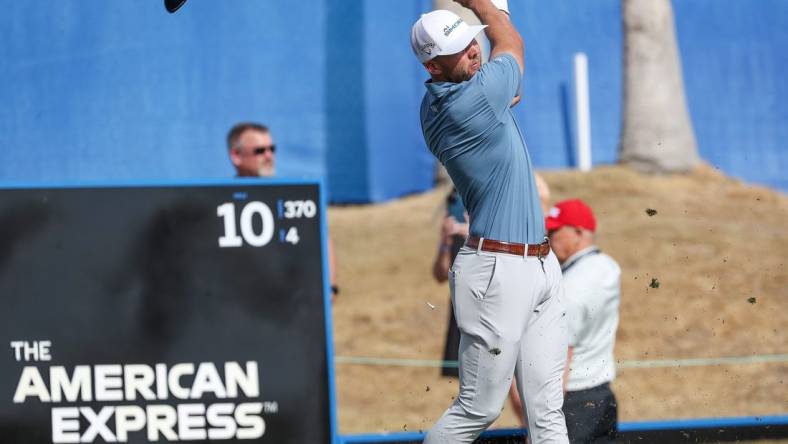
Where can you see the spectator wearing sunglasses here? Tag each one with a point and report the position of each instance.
(252, 150)
(253, 154)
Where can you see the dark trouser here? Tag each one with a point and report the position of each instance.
(591, 415)
(451, 351)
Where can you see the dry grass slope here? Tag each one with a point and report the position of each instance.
(717, 247)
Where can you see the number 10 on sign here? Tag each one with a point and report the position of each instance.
(231, 238)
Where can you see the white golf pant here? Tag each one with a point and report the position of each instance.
(512, 321)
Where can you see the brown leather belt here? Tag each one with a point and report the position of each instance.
(494, 246)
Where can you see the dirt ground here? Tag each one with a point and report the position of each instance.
(716, 247)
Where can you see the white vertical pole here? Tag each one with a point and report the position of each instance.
(582, 102)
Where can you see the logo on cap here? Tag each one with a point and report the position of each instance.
(427, 49)
(448, 29)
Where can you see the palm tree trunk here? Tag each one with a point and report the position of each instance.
(657, 134)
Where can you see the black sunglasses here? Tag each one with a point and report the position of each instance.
(262, 149)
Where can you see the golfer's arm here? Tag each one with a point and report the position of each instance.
(503, 36)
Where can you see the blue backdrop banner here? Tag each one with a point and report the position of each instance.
(96, 90)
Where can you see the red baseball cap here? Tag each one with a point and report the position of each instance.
(572, 212)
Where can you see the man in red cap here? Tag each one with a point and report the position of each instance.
(592, 289)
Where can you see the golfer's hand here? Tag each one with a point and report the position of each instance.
(515, 101)
(451, 228)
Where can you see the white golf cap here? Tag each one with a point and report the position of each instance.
(439, 33)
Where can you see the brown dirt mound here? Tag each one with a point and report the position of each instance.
(717, 247)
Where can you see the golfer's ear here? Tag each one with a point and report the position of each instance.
(433, 68)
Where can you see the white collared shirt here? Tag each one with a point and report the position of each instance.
(592, 288)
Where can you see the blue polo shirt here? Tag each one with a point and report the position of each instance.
(471, 129)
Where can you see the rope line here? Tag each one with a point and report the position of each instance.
(654, 363)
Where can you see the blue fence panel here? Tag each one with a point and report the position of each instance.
(122, 90)
(735, 69)
(96, 90)
(119, 90)
(399, 159)
(373, 95)
(553, 32)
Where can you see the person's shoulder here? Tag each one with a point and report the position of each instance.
(429, 106)
(608, 262)
(459, 99)
(505, 58)
(501, 63)
(600, 259)
(601, 271)
(440, 94)
(595, 266)
(499, 80)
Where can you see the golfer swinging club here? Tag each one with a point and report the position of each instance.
(505, 282)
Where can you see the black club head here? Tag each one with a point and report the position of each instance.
(173, 5)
